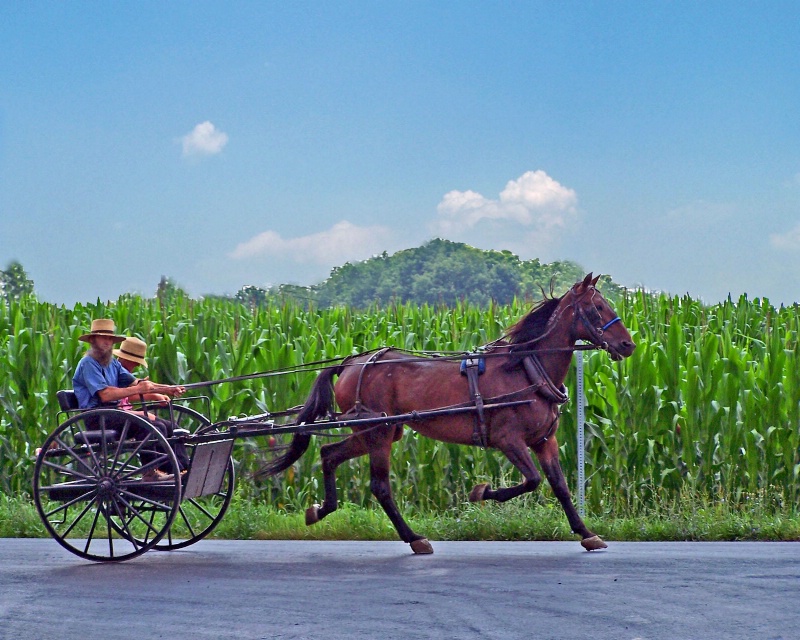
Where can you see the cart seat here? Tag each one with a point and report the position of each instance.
(67, 400)
(95, 437)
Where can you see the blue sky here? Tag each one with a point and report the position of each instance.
(231, 144)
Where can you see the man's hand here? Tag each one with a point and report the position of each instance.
(144, 386)
(173, 390)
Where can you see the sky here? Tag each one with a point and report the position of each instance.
(225, 144)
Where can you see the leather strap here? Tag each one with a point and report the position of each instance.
(539, 379)
(480, 436)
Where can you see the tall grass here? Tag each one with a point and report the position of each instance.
(708, 404)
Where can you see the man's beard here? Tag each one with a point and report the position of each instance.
(103, 358)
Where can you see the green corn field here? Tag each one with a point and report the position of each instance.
(708, 404)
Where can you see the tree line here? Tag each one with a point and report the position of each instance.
(440, 272)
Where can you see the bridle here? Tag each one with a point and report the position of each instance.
(594, 325)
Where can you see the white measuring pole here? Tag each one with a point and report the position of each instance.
(581, 420)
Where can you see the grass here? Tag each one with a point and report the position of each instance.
(694, 518)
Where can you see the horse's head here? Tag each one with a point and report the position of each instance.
(596, 322)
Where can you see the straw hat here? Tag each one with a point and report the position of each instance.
(102, 327)
(132, 349)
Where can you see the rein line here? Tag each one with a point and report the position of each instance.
(421, 356)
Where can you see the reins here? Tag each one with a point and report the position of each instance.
(318, 365)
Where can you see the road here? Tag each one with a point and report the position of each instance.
(294, 590)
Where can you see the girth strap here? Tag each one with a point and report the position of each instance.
(371, 360)
(471, 367)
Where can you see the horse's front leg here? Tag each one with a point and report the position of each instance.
(547, 453)
(520, 457)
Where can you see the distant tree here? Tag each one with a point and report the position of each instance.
(14, 282)
(294, 292)
(168, 291)
(252, 296)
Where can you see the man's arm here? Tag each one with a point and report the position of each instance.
(111, 394)
(140, 387)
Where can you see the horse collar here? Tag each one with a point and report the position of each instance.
(541, 380)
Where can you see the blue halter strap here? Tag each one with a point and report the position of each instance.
(610, 322)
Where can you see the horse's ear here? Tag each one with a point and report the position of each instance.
(580, 287)
(594, 282)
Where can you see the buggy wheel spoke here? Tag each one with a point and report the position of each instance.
(66, 471)
(70, 450)
(67, 505)
(78, 518)
(124, 522)
(201, 508)
(186, 521)
(90, 536)
(129, 495)
(137, 515)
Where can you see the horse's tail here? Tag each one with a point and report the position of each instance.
(318, 405)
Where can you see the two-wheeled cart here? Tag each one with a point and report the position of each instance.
(90, 482)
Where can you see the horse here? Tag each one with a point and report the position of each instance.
(524, 373)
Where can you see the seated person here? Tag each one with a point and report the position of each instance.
(130, 355)
(100, 380)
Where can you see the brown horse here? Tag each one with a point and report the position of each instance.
(530, 363)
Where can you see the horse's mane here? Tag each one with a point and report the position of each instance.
(532, 325)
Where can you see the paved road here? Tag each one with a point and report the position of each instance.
(332, 590)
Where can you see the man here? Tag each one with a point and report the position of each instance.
(101, 380)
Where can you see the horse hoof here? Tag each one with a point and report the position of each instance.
(421, 546)
(312, 515)
(476, 495)
(593, 544)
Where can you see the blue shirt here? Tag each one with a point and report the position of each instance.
(91, 377)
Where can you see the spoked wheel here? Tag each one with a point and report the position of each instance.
(93, 485)
(197, 515)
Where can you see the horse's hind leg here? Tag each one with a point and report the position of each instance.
(548, 458)
(379, 461)
(520, 457)
(332, 456)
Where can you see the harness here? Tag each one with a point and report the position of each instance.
(357, 405)
(474, 365)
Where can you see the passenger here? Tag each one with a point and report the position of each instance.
(130, 355)
(101, 380)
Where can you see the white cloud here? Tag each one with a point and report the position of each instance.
(530, 216)
(533, 200)
(789, 241)
(341, 243)
(203, 140)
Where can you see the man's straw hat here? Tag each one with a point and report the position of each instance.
(102, 327)
(132, 349)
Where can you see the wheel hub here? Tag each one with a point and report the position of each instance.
(106, 488)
